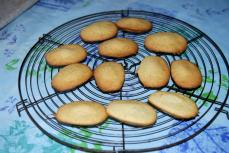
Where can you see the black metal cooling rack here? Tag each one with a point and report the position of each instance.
(40, 101)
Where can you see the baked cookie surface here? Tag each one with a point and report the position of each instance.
(84, 113)
(153, 72)
(166, 42)
(174, 104)
(109, 76)
(65, 55)
(71, 76)
(186, 74)
(99, 31)
(134, 25)
(118, 48)
(132, 112)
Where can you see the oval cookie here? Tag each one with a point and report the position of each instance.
(153, 72)
(118, 48)
(186, 74)
(132, 112)
(166, 42)
(71, 76)
(109, 76)
(65, 55)
(84, 113)
(174, 104)
(99, 31)
(135, 25)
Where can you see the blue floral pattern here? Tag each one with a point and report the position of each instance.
(62, 5)
(9, 105)
(206, 11)
(152, 8)
(9, 52)
(218, 136)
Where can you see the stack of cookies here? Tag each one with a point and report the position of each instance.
(153, 72)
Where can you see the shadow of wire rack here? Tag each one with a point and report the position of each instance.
(41, 102)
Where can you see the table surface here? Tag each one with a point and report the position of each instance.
(19, 134)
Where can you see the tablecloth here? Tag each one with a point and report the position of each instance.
(20, 135)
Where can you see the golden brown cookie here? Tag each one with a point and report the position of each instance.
(99, 31)
(166, 42)
(132, 112)
(109, 76)
(153, 72)
(65, 55)
(118, 48)
(135, 25)
(174, 104)
(71, 76)
(83, 113)
(186, 74)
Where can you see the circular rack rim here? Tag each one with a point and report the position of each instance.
(121, 12)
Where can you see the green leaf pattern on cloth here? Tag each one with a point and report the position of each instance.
(209, 95)
(12, 64)
(86, 134)
(225, 82)
(209, 80)
(200, 102)
(17, 140)
(104, 126)
(43, 67)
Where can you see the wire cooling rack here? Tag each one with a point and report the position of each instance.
(41, 102)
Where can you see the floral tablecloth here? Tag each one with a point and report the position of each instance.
(20, 135)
